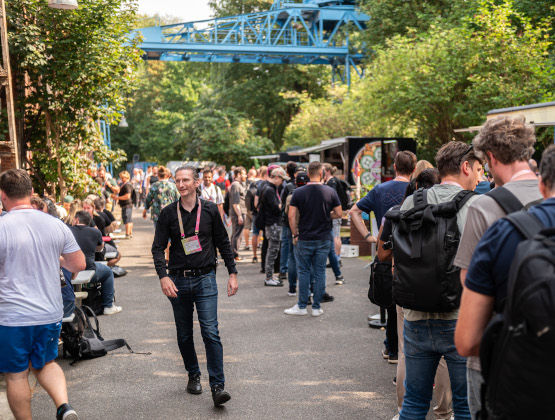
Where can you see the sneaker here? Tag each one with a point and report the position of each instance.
(327, 298)
(385, 353)
(66, 412)
(317, 312)
(291, 293)
(219, 396)
(339, 280)
(282, 276)
(254, 260)
(272, 283)
(112, 310)
(393, 359)
(396, 417)
(295, 310)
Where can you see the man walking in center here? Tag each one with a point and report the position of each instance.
(33, 246)
(317, 205)
(195, 229)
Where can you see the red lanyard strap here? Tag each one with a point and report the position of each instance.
(197, 226)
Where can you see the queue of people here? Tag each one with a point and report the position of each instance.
(465, 249)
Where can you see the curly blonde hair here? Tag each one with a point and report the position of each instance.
(509, 139)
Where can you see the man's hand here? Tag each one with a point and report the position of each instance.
(168, 287)
(144, 214)
(232, 285)
(240, 220)
(371, 239)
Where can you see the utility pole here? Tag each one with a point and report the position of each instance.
(9, 150)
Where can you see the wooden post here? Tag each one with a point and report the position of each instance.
(9, 150)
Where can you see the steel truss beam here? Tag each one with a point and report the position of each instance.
(311, 32)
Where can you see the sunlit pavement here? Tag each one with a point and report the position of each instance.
(276, 366)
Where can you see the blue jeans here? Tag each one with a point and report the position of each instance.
(334, 261)
(425, 342)
(104, 275)
(311, 257)
(286, 249)
(201, 292)
(292, 268)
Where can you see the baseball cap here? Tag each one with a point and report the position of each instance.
(280, 172)
(68, 199)
(302, 178)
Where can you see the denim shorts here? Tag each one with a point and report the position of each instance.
(126, 213)
(255, 231)
(336, 229)
(36, 343)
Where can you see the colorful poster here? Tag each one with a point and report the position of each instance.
(370, 158)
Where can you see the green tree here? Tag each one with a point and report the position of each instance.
(71, 69)
(444, 79)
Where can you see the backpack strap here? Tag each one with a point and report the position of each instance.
(506, 200)
(110, 345)
(532, 204)
(420, 198)
(462, 197)
(525, 223)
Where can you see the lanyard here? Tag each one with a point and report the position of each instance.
(452, 183)
(23, 206)
(181, 221)
(520, 173)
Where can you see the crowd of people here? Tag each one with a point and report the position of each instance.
(453, 258)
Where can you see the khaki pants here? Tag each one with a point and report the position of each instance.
(442, 391)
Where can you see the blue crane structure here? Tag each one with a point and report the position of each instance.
(311, 32)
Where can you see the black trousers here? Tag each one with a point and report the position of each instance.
(391, 330)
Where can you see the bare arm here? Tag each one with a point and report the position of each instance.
(292, 215)
(383, 254)
(74, 261)
(356, 218)
(221, 210)
(475, 312)
(337, 213)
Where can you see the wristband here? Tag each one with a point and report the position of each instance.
(368, 235)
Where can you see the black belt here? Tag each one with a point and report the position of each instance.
(183, 272)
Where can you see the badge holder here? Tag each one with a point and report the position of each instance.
(191, 245)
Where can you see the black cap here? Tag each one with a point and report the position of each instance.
(301, 179)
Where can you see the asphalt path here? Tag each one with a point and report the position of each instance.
(276, 366)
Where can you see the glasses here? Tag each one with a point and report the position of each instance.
(461, 157)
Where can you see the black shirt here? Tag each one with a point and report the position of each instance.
(100, 223)
(287, 190)
(212, 235)
(109, 217)
(88, 239)
(269, 204)
(126, 188)
(315, 203)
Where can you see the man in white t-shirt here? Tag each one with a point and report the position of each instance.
(33, 245)
(211, 192)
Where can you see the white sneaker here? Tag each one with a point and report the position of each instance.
(272, 282)
(395, 417)
(295, 310)
(291, 293)
(112, 310)
(317, 312)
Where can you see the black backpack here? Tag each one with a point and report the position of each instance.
(344, 193)
(82, 341)
(516, 352)
(249, 197)
(425, 241)
(381, 282)
(226, 204)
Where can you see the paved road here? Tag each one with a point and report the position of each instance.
(276, 366)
